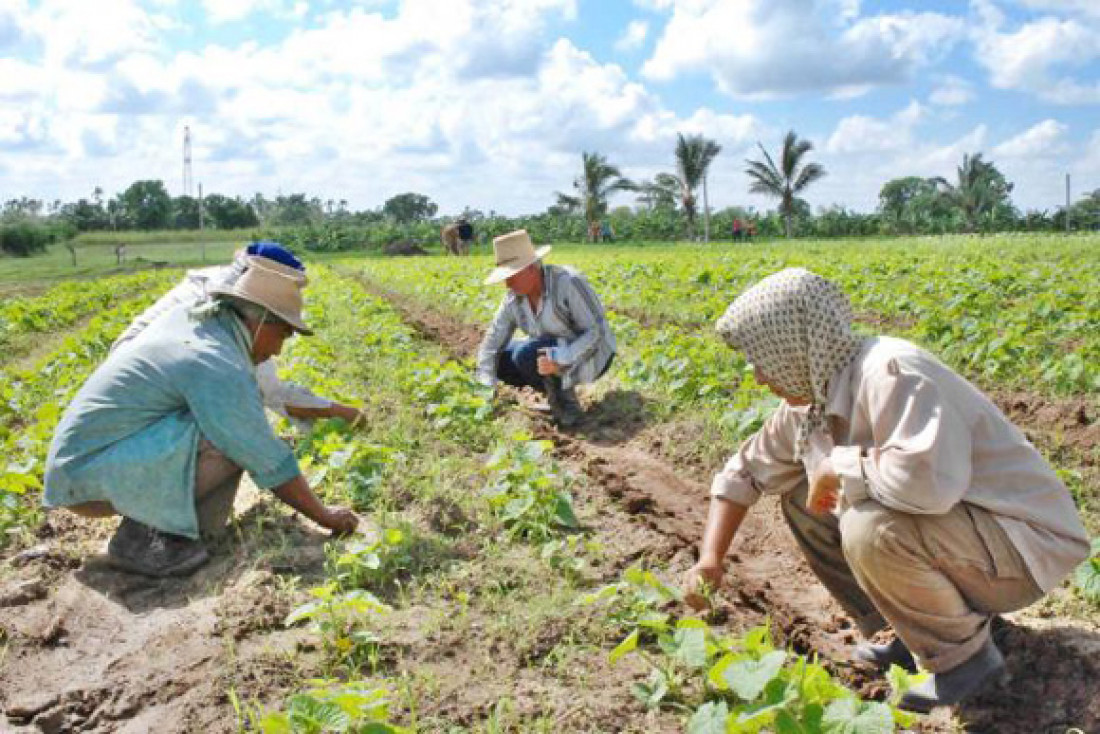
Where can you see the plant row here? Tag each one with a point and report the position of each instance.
(32, 401)
(67, 303)
(526, 493)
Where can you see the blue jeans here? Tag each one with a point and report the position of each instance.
(518, 363)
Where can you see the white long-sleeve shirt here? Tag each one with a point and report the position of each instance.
(915, 436)
(277, 394)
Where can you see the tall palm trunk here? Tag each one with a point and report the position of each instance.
(706, 212)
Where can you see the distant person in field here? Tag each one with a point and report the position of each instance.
(458, 236)
(287, 399)
(569, 340)
(593, 231)
(606, 233)
(738, 230)
(916, 502)
(162, 430)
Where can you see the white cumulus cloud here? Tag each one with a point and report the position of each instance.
(952, 91)
(760, 48)
(1038, 56)
(1044, 139)
(633, 36)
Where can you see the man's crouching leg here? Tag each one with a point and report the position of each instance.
(216, 482)
(938, 580)
(145, 550)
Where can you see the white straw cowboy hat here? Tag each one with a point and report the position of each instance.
(266, 262)
(280, 293)
(514, 251)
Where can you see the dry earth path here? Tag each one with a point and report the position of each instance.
(1054, 662)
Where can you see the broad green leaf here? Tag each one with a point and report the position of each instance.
(690, 642)
(1087, 576)
(851, 716)
(901, 680)
(563, 511)
(624, 647)
(710, 718)
(306, 611)
(748, 678)
(277, 723)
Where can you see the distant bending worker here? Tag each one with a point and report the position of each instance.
(458, 236)
(162, 430)
(916, 502)
(570, 341)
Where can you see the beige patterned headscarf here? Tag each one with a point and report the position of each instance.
(796, 328)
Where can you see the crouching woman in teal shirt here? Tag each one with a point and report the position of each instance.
(162, 430)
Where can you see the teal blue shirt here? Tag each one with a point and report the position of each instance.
(131, 435)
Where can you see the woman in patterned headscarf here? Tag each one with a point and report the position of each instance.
(916, 502)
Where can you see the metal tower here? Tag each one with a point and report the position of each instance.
(187, 183)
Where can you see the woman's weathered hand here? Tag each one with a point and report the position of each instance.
(824, 488)
(700, 581)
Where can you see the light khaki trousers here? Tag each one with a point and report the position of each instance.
(216, 482)
(936, 579)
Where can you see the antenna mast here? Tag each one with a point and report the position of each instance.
(187, 184)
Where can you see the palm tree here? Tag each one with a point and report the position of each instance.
(787, 181)
(598, 180)
(979, 189)
(693, 157)
(659, 193)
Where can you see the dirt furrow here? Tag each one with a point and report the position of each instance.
(1053, 662)
(768, 575)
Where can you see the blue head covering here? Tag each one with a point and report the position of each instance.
(275, 251)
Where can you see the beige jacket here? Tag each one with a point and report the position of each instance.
(916, 437)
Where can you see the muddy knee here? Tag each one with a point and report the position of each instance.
(93, 509)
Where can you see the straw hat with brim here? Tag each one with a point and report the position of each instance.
(514, 252)
(280, 294)
(259, 261)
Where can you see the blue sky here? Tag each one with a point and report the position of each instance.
(489, 103)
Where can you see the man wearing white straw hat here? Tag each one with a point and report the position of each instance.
(569, 340)
(163, 428)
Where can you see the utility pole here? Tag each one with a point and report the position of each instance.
(187, 183)
(706, 212)
(202, 235)
(1067, 203)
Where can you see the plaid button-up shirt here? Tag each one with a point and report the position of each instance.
(569, 311)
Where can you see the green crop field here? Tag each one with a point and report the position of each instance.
(510, 568)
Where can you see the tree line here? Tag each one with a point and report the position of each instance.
(978, 199)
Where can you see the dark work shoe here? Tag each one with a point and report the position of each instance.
(563, 403)
(140, 549)
(952, 686)
(883, 656)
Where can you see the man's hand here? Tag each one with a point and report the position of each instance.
(700, 581)
(824, 488)
(353, 416)
(339, 520)
(547, 366)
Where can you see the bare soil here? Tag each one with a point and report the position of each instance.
(86, 649)
(91, 649)
(1053, 662)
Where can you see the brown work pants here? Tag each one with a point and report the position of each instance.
(216, 482)
(936, 579)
